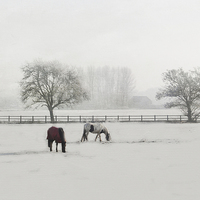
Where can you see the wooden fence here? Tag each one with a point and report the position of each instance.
(72, 119)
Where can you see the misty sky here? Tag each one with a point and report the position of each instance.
(150, 36)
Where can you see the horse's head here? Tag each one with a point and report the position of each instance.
(62, 135)
(61, 130)
(107, 134)
(108, 137)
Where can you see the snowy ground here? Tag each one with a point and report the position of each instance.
(144, 161)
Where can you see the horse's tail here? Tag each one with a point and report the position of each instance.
(84, 136)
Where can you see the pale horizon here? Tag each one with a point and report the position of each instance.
(147, 36)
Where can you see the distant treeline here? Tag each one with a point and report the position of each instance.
(108, 87)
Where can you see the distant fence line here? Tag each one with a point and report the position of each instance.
(106, 118)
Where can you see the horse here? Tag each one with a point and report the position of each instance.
(95, 128)
(58, 135)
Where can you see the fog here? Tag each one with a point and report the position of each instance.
(147, 36)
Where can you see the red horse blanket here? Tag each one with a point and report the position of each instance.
(53, 134)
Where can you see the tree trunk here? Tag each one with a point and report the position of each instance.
(189, 114)
(51, 115)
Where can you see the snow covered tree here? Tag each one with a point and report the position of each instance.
(49, 84)
(183, 89)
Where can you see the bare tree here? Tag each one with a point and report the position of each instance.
(126, 85)
(109, 87)
(48, 84)
(183, 89)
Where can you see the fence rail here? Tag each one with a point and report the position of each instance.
(106, 118)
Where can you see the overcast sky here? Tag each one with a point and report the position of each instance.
(150, 36)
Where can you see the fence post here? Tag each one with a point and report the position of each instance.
(141, 118)
(154, 118)
(45, 119)
(32, 119)
(20, 119)
(68, 118)
(180, 118)
(105, 118)
(9, 119)
(80, 118)
(129, 118)
(117, 117)
(92, 118)
(167, 118)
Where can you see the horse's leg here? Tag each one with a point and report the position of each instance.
(50, 144)
(83, 136)
(87, 135)
(100, 137)
(63, 147)
(56, 147)
(96, 137)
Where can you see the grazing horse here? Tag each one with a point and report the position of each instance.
(58, 135)
(95, 128)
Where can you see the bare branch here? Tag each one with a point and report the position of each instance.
(48, 84)
(183, 88)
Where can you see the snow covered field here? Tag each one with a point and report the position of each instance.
(144, 161)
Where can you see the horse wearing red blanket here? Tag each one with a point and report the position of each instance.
(58, 135)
